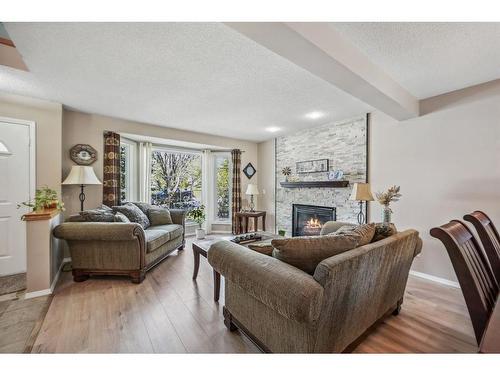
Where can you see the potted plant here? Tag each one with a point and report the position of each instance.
(45, 198)
(385, 198)
(198, 216)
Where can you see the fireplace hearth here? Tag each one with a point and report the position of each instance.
(307, 220)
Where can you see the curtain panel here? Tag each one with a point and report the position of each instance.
(145, 151)
(236, 196)
(111, 169)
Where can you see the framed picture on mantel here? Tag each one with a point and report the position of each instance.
(312, 166)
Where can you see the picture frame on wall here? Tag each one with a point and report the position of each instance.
(313, 166)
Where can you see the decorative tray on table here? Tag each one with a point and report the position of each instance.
(246, 238)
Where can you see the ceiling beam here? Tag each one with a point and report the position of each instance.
(319, 49)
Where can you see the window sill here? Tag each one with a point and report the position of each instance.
(219, 222)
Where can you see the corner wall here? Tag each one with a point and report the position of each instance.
(447, 162)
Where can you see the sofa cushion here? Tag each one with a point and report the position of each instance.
(133, 213)
(173, 230)
(365, 231)
(121, 218)
(333, 226)
(155, 238)
(97, 215)
(307, 252)
(159, 216)
(383, 231)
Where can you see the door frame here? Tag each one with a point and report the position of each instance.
(32, 146)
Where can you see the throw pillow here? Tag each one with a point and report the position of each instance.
(264, 248)
(133, 213)
(97, 215)
(383, 231)
(159, 216)
(365, 231)
(144, 207)
(332, 227)
(121, 218)
(307, 252)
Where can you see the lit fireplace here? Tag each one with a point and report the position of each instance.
(308, 220)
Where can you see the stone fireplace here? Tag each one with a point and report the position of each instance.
(344, 144)
(307, 220)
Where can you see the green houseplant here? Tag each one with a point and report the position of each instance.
(198, 216)
(45, 198)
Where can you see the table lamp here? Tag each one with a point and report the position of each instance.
(252, 190)
(361, 192)
(80, 175)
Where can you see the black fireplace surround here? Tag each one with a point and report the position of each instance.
(307, 220)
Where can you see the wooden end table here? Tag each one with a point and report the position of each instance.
(201, 247)
(242, 219)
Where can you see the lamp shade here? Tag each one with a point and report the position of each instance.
(80, 175)
(361, 192)
(252, 190)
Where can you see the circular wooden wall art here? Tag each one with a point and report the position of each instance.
(83, 154)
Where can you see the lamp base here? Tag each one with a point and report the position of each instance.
(81, 197)
(361, 215)
(252, 204)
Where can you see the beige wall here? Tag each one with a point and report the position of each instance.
(266, 199)
(48, 119)
(86, 128)
(447, 163)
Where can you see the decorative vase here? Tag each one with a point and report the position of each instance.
(386, 215)
(200, 234)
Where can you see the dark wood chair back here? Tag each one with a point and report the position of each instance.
(489, 237)
(476, 280)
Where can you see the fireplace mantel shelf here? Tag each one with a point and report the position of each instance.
(315, 184)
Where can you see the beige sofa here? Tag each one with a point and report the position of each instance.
(110, 248)
(286, 310)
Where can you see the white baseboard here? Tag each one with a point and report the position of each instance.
(436, 279)
(45, 292)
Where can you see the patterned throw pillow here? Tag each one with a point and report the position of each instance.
(365, 231)
(159, 216)
(307, 252)
(144, 207)
(383, 231)
(133, 213)
(264, 248)
(97, 215)
(121, 218)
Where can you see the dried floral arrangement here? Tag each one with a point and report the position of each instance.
(387, 197)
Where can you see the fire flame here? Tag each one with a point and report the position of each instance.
(313, 223)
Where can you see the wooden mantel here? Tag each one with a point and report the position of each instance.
(46, 214)
(315, 184)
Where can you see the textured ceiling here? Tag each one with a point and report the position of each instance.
(430, 58)
(203, 77)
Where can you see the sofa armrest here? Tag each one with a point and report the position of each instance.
(289, 291)
(88, 231)
(178, 216)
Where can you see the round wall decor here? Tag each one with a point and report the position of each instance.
(83, 154)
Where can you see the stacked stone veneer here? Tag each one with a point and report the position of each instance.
(344, 144)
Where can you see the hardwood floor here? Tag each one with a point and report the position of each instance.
(170, 313)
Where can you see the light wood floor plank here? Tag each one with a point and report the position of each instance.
(171, 313)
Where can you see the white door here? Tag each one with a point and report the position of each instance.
(15, 184)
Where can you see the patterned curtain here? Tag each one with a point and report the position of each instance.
(236, 198)
(111, 170)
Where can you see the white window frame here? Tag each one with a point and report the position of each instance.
(215, 219)
(130, 169)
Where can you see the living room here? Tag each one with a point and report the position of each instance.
(249, 187)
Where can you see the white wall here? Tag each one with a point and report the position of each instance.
(447, 163)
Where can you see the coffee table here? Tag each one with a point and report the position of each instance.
(201, 247)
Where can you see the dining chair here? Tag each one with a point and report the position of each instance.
(474, 275)
(489, 237)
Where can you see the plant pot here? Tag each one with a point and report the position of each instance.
(386, 215)
(200, 234)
